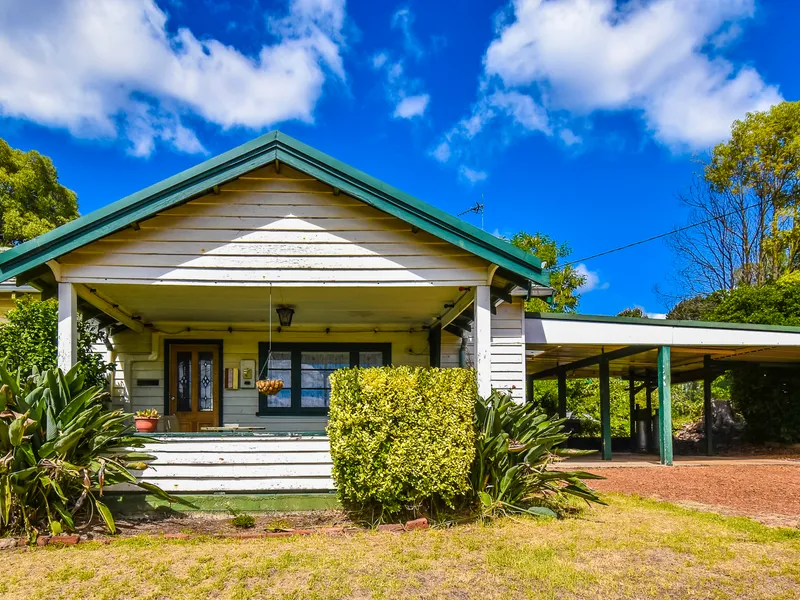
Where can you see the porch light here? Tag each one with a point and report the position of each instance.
(285, 314)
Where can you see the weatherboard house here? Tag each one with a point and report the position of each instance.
(276, 259)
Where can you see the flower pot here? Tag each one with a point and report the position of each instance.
(146, 424)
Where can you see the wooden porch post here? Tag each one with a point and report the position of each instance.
(435, 345)
(665, 405)
(483, 341)
(708, 406)
(632, 398)
(67, 345)
(562, 394)
(605, 410)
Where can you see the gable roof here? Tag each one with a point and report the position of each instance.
(271, 147)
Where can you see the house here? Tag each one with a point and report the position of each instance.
(9, 292)
(274, 259)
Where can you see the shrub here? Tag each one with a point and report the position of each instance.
(28, 339)
(515, 445)
(244, 521)
(401, 437)
(60, 449)
(769, 400)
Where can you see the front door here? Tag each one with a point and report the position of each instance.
(194, 385)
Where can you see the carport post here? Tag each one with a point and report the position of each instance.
(562, 394)
(708, 407)
(664, 405)
(632, 395)
(605, 410)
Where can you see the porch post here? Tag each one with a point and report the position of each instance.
(67, 346)
(562, 394)
(664, 405)
(605, 410)
(483, 339)
(708, 406)
(435, 345)
(632, 398)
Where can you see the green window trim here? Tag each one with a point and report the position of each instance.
(296, 349)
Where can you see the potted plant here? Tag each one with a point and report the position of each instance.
(146, 421)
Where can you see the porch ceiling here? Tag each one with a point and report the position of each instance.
(374, 306)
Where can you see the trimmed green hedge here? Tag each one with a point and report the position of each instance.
(402, 436)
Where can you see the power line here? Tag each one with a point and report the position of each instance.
(659, 236)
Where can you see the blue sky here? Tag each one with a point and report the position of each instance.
(577, 118)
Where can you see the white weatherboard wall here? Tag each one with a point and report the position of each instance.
(240, 406)
(209, 464)
(281, 228)
(508, 348)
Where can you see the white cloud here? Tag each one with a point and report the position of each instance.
(569, 137)
(406, 93)
(112, 68)
(472, 175)
(403, 19)
(651, 57)
(411, 106)
(555, 63)
(592, 281)
(656, 315)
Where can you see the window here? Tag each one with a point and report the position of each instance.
(305, 369)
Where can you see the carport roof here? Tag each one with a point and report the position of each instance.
(575, 344)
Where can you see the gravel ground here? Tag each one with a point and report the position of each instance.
(768, 493)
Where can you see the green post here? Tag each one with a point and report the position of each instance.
(664, 405)
(529, 385)
(605, 410)
(708, 407)
(562, 394)
(632, 396)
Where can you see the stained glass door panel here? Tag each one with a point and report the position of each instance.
(194, 386)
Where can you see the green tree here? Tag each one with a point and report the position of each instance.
(693, 309)
(32, 201)
(774, 303)
(744, 206)
(565, 280)
(28, 339)
(632, 312)
(766, 397)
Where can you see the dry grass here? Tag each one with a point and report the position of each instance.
(632, 549)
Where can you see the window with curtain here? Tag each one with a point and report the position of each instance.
(305, 370)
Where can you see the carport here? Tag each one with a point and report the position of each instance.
(650, 354)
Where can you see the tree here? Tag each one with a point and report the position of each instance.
(632, 312)
(745, 206)
(693, 309)
(28, 339)
(32, 201)
(565, 280)
(768, 398)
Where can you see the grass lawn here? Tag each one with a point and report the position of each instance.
(632, 549)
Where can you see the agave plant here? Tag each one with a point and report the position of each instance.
(515, 445)
(60, 448)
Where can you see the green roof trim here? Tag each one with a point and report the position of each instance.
(662, 322)
(257, 153)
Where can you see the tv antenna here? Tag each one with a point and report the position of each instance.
(477, 209)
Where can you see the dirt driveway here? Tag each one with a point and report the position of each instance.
(768, 493)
